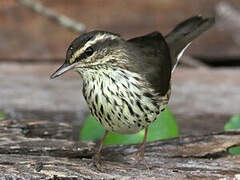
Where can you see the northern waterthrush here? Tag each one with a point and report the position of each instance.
(126, 83)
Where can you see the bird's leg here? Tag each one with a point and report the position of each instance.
(97, 157)
(140, 152)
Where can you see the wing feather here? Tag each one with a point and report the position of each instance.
(153, 60)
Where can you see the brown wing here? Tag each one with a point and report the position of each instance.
(185, 32)
(151, 57)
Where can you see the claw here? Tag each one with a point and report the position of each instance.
(97, 162)
(139, 155)
(96, 159)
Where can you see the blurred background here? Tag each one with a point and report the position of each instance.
(32, 45)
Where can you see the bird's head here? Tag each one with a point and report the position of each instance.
(92, 50)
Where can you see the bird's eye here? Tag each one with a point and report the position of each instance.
(89, 51)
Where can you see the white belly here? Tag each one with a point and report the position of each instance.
(119, 103)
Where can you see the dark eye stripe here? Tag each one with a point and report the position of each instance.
(85, 54)
(81, 57)
(98, 46)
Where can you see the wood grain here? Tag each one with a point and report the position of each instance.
(57, 157)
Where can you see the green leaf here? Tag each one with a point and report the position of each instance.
(163, 127)
(234, 150)
(2, 116)
(233, 124)
(91, 130)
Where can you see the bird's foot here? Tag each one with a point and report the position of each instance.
(138, 157)
(97, 162)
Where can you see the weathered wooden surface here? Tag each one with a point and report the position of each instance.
(189, 157)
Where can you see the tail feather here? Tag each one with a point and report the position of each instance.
(182, 35)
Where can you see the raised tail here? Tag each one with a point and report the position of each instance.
(183, 34)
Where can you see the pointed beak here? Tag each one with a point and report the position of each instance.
(64, 68)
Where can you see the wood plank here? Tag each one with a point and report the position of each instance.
(190, 157)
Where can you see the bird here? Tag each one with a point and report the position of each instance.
(127, 83)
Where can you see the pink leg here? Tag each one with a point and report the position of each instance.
(97, 156)
(140, 153)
